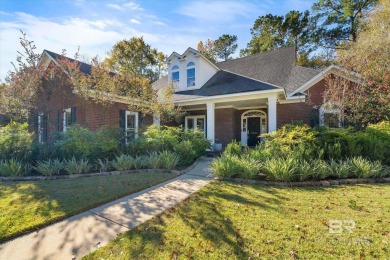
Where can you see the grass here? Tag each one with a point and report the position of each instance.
(236, 221)
(26, 206)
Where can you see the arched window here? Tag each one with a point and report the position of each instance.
(190, 74)
(175, 73)
(330, 115)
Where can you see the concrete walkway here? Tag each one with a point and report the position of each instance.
(78, 235)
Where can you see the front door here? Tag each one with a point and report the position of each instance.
(253, 131)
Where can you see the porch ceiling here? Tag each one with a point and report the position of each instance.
(242, 104)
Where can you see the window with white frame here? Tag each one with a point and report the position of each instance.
(175, 74)
(195, 123)
(330, 115)
(42, 125)
(191, 74)
(131, 124)
(66, 119)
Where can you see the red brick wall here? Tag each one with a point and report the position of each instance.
(287, 113)
(89, 113)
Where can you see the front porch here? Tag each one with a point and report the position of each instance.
(242, 120)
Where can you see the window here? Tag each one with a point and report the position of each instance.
(330, 116)
(190, 74)
(131, 124)
(195, 123)
(175, 73)
(67, 119)
(42, 126)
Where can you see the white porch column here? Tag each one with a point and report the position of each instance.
(272, 114)
(156, 119)
(211, 122)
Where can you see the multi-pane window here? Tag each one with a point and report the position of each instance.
(175, 73)
(131, 123)
(42, 128)
(67, 119)
(195, 123)
(190, 74)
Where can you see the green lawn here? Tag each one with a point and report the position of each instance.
(236, 221)
(25, 206)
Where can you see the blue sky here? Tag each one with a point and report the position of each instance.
(96, 26)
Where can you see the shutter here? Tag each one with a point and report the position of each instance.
(59, 120)
(73, 115)
(315, 117)
(122, 124)
(44, 126)
(140, 119)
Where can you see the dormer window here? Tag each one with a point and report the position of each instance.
(190, 74)
(175, 73)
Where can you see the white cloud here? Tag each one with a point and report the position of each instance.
(135, 21)
(216, 12)
(133, 6)
(115, 6)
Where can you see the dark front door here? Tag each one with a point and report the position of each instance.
(253, 131)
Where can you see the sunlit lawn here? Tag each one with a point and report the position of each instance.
(237, 221)
(24, 206)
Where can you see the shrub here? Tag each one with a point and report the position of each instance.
(72, 166)
(15, 142)
(321, 169)
(169, 160)
(49, 167)
(185, 151)
(153, 160)
(234, 148)
(139, 162)
(198, 141)
(280, 169)
(363, 168)
(12, 167)
(122, 162)
(226, 166)
(103, 165)
(341, 169)
(248, 167)
(81, 142)
(305, 170)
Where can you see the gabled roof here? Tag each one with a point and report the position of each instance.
(276, 67)
(222, 83)
(84, 67)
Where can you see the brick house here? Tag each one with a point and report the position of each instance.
(232, 100)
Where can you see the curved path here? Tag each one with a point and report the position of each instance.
(76, 236)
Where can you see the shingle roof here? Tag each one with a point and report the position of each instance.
(267, 70)
(84, 67)
(274, 67)
(222, 83)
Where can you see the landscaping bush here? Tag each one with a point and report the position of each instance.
(16, 142)
(280, 169)
(12, 167)
(363, 168)
(103, 165)
(234, 148)
(154, 160)
(49, 167)
(169, 160)
(186, 152)
(226, 166)
(72, 166)
(122, 162)
(198, 141)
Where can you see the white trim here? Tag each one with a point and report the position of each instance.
(247, 95)
(136, 116)
(210, 122)
(40, 119)
(324, 110)
(195, 117)
(289, 101)
(244, 123)
(321, 75)
(272, 115)
(65, 123)
(197, 53)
